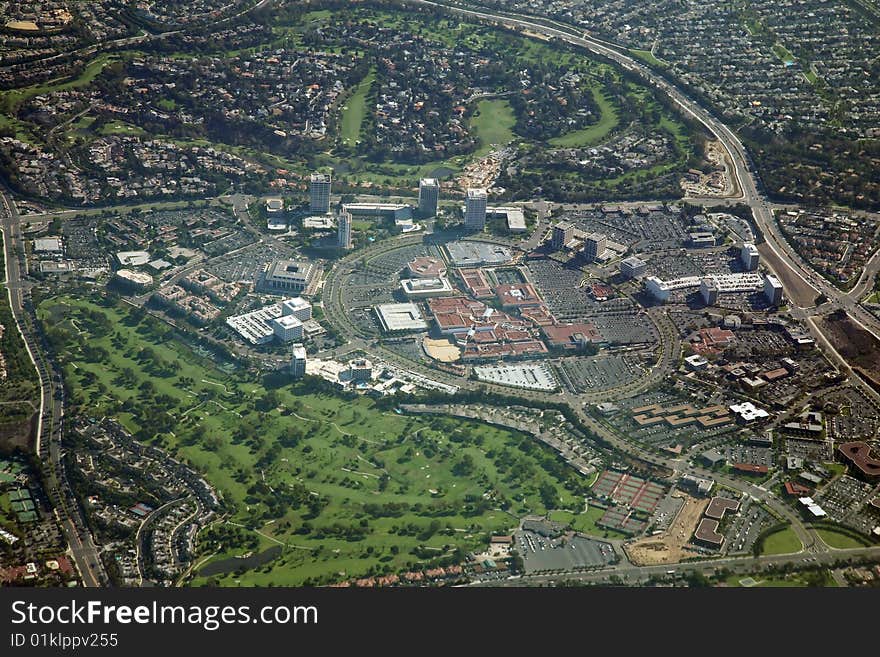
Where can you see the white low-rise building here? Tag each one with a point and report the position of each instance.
(400, 317)
(287, 328)
(424, 288)
(748, 412)
(723, 284)
(270, 322)
(297, 307)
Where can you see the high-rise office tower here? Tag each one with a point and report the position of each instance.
(475, 209)
(429, 197)
(343, 231)
(319, 192)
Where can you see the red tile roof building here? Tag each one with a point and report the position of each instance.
(571, 336)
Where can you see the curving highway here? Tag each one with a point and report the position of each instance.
(82, 549)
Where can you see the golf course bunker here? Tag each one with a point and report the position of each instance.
(442, 350)
(23, 26)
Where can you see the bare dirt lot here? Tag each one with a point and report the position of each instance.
(796, 288)
(669, 546)
(857, 346)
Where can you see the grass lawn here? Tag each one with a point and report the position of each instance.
(493, 123)
(347, 487)
(585, 522)
(782, 542)
(354, 110)
(839, 540)
(596, 132)
(783, 53)
(648, 57)
(789, 580)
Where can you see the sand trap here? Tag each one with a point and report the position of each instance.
(26, 26)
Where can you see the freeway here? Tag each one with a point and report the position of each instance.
(670, 346)
(47, 445)
(787, 264)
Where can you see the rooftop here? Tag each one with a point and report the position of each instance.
(400, 317)
(470, 253)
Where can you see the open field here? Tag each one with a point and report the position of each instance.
(782, 542)
(345, 486)
(856, 345)
(669, 547)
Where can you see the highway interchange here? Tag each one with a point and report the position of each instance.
(85, 553)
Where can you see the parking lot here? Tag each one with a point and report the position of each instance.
(377, 282)
(844, 501)
(81, 243)
(646, 228)
(565, 553)
(748, 524)
(809, 450)
(559, 286)
(599, 372)
(628, 327)
(859, 417)
(750, 455)
(247, 265)
(666, 511)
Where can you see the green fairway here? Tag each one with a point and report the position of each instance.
(347, 487)
(782, 542)
(354, 110)
(121, 128)
(839, 540)
(596, 132)
(11, 99)
(493, 122)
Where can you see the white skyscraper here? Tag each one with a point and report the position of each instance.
(749, 256)
(298, 361)
(772, 290)
(319, 192)
(475, 209)
(429, 197)
(343, 232)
